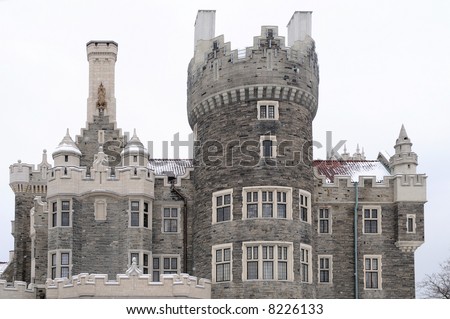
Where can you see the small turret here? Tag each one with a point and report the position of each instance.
(404, 160)
(67, 153)
(134, 153)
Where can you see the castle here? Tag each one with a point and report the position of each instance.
(251, 214)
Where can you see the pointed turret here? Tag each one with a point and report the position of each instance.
(67, 152)
(134, 153)
(44, 166)
(404, 160)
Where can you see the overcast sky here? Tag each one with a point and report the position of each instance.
(382, 63)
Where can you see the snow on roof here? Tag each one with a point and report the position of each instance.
(176, 167)
(354, 169)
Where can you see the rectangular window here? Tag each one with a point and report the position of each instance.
(53, 266)
(263, 202)
(134, 214)
(59, 264)
(267, 110)
(164, 265)
(146, 215)
(371, 220)
(252, 205)
(410, 223)
(222, 206)
(267, 203)
(170, 219)
(305, 263)
(324, 221)
(281, 204)
(325, 269)
(65, 213)
(64, 265)
(268, 261)
(142, 260)
(222, 263)
(268, 146)
(305, 206)
(54, 215)
(372, 272)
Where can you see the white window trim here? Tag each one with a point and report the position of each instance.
(309, 249)
(378, 219)
(330, 220)
(380, 279)
(140, 262)
(272, 138)
(308, 207)
(59, 212)
(178, 207)
(330, 270)
(260, 189)
(161, 263)
(58, 253)
(213, 251)
(413, 216)
(214, 204)
(290, 260)
(141, 212)
(267, 103)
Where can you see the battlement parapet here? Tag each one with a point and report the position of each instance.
(16, 290)
(122, 181)
(131, 285)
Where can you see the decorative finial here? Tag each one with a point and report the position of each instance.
(357, 148)
(19, 161)
(345, 148)
(44, 151)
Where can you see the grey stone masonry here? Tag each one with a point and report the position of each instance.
(223, 96)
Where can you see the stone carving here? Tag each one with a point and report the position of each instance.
(101, 97)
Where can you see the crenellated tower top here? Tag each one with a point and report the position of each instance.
(268, 70)
(102, 57)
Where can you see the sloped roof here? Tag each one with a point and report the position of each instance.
(352, 168)
(170, 167)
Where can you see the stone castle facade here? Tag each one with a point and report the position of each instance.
(252, 213)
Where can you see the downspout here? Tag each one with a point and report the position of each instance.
(185, 228)
(355, 228)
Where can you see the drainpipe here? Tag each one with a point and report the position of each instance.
(185, 228)
(355, 228)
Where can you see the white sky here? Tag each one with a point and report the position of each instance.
(382, 63)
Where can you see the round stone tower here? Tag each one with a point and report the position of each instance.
(251, 112)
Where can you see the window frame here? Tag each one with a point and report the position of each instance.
(215, 263)
(56, 219)
(321, 219)
(378, 271)
(259, 190)
(55, 265)
(267, 104)
(378, 219)
(161, 269)
(140, 213)
(274, 146)
(170, 218)
(329, 269)
(413, 228)
(275, 260)
(142, 265)
(305, 263)
(215, 207)
(304, 205)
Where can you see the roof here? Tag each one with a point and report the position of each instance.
(354, 169)
(170, 167)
